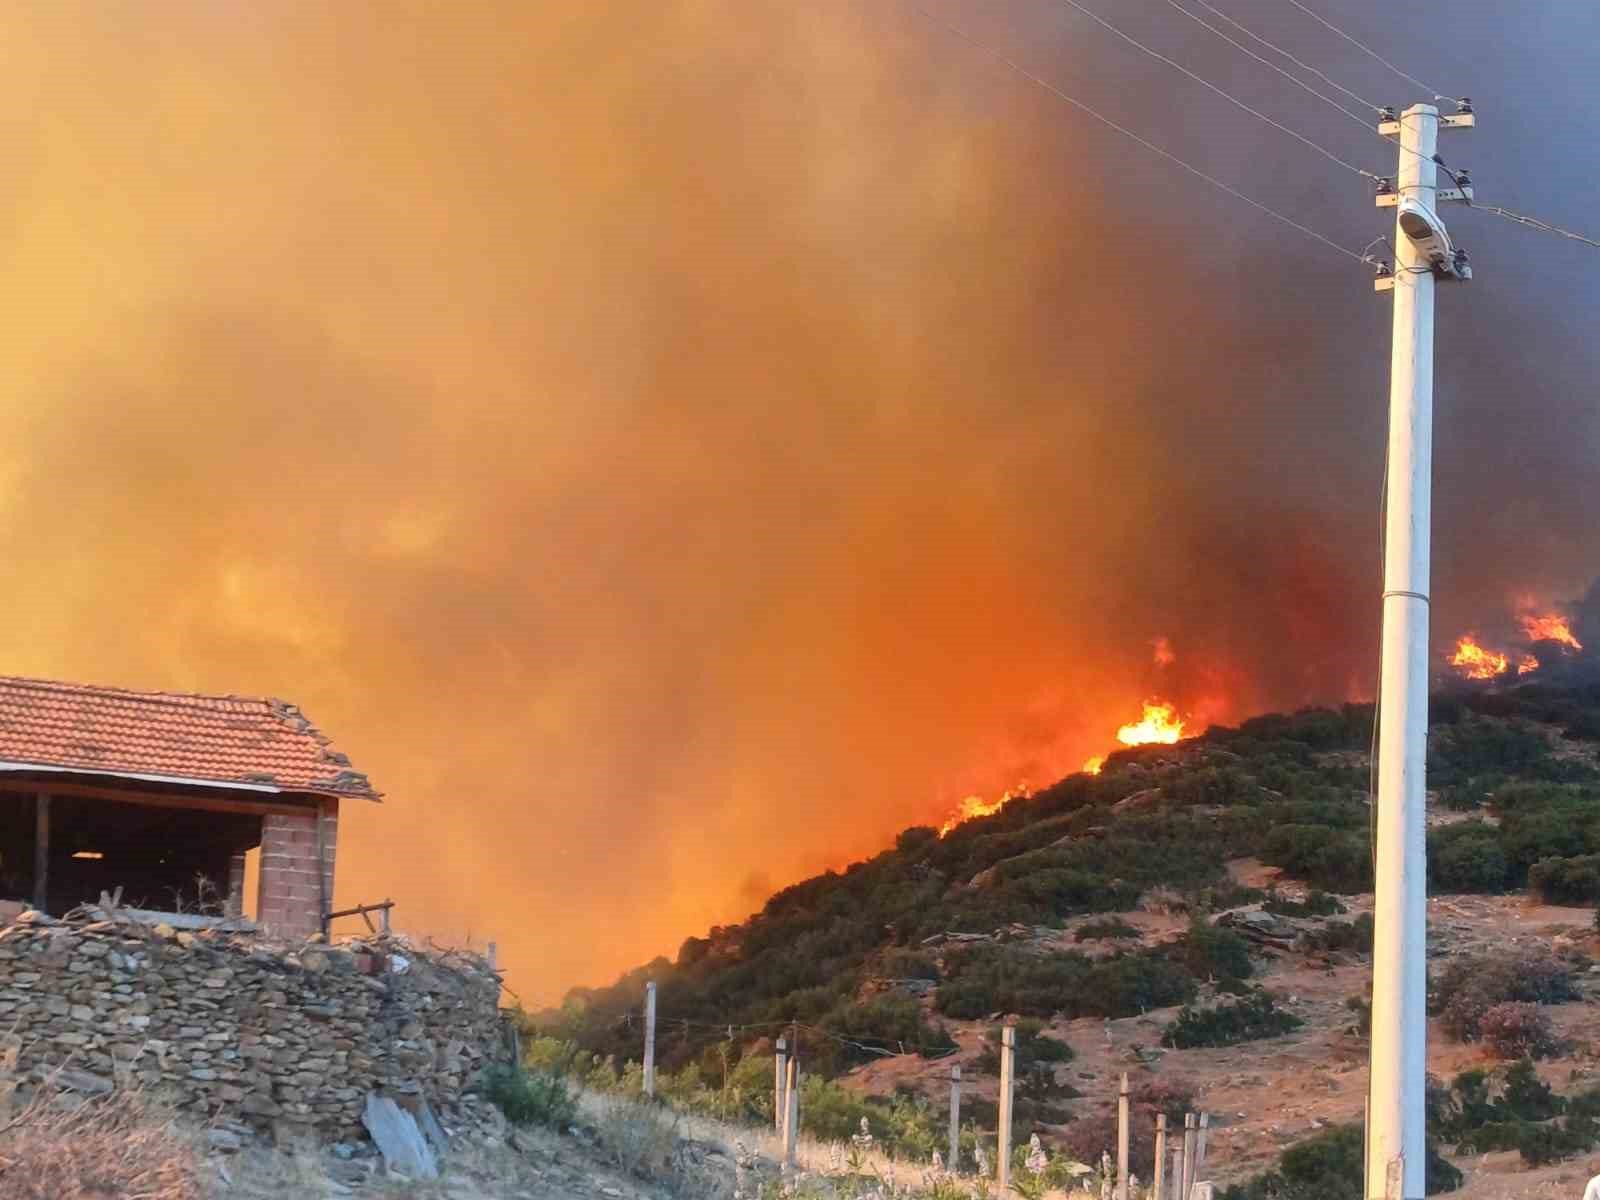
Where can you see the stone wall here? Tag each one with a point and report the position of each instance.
(290, 1039)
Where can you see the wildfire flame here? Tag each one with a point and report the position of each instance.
(1160, 725)
(1551, 628)
(1474, 662)
(976, 806)
(1527, 664)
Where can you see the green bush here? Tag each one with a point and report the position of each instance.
(1209, 952)
(1573, 880)
(1316, 904)
(1466, 857)
(1339, 861)
(1515, 1030)
(1104, 929)
(530, 1097)
(1247, 1020)
(1331, 1166)
(1336, 936)
(1470, 986)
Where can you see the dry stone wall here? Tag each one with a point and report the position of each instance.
(290, 1039)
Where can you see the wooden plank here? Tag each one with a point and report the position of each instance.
(203, 803)
(404, 1149)
(41, 850)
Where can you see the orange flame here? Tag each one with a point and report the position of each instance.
(1550, 628)
(1095, 765)
(1160, 725)
(1527, 664)
(976, 806)
(1474, 662)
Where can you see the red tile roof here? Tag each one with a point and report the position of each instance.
(208, 739)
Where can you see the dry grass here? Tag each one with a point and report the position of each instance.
(61, 1147)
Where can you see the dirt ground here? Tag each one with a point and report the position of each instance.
(1267, 1095)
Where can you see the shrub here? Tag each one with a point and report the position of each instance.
(1470, 986)
(1516, 1030)
(1338, 860)
(1331, 1166)
(1316, 904)
(1573, 880)
(1360, 1016)
(909, 964)
(1104, 929)
(530, 1097)
(1251, 1019)
(1466, 857)
(1212, 953)
(890, 1022)
(1335, 936)
(116, 1145)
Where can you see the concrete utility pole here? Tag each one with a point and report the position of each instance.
(1423, 250)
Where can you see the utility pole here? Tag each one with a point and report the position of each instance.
(1423, 250)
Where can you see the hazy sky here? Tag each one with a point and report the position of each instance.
(673, 445)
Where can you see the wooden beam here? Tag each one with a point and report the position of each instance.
(41, 849)
(274, 804)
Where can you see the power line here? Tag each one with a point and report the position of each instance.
(1204, 82)
(1434, 92)
(1304, 66)
(1240, 46)
(1128, 133)
(1536, 223)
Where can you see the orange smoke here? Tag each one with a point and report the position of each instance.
(1164, 655)
(1474, 662)
(1550, 628)
(1160, 725)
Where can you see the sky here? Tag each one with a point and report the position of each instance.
(673, 446)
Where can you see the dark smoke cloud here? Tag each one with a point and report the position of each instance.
(674, 445)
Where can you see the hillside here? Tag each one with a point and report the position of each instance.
(1228, 873)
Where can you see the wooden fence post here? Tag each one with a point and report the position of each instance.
(650, 1040)
(791, 1111)
(779, 1095)
(1122, 1138)
(1008, 1067)
(1161, 1159)
(1200, 1149)
(955, 1119)
(1177, 1168)
(1189, 1132)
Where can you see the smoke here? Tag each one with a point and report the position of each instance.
(673, 446)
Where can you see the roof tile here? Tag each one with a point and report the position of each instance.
(209, 739)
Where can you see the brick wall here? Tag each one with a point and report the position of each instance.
(290, 900)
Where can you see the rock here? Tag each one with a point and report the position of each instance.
(224, 1140)
(82, 1081)
(395, 1131)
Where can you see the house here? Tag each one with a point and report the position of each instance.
(162, 795)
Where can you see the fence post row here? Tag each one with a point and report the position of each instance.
(1008, 1053)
